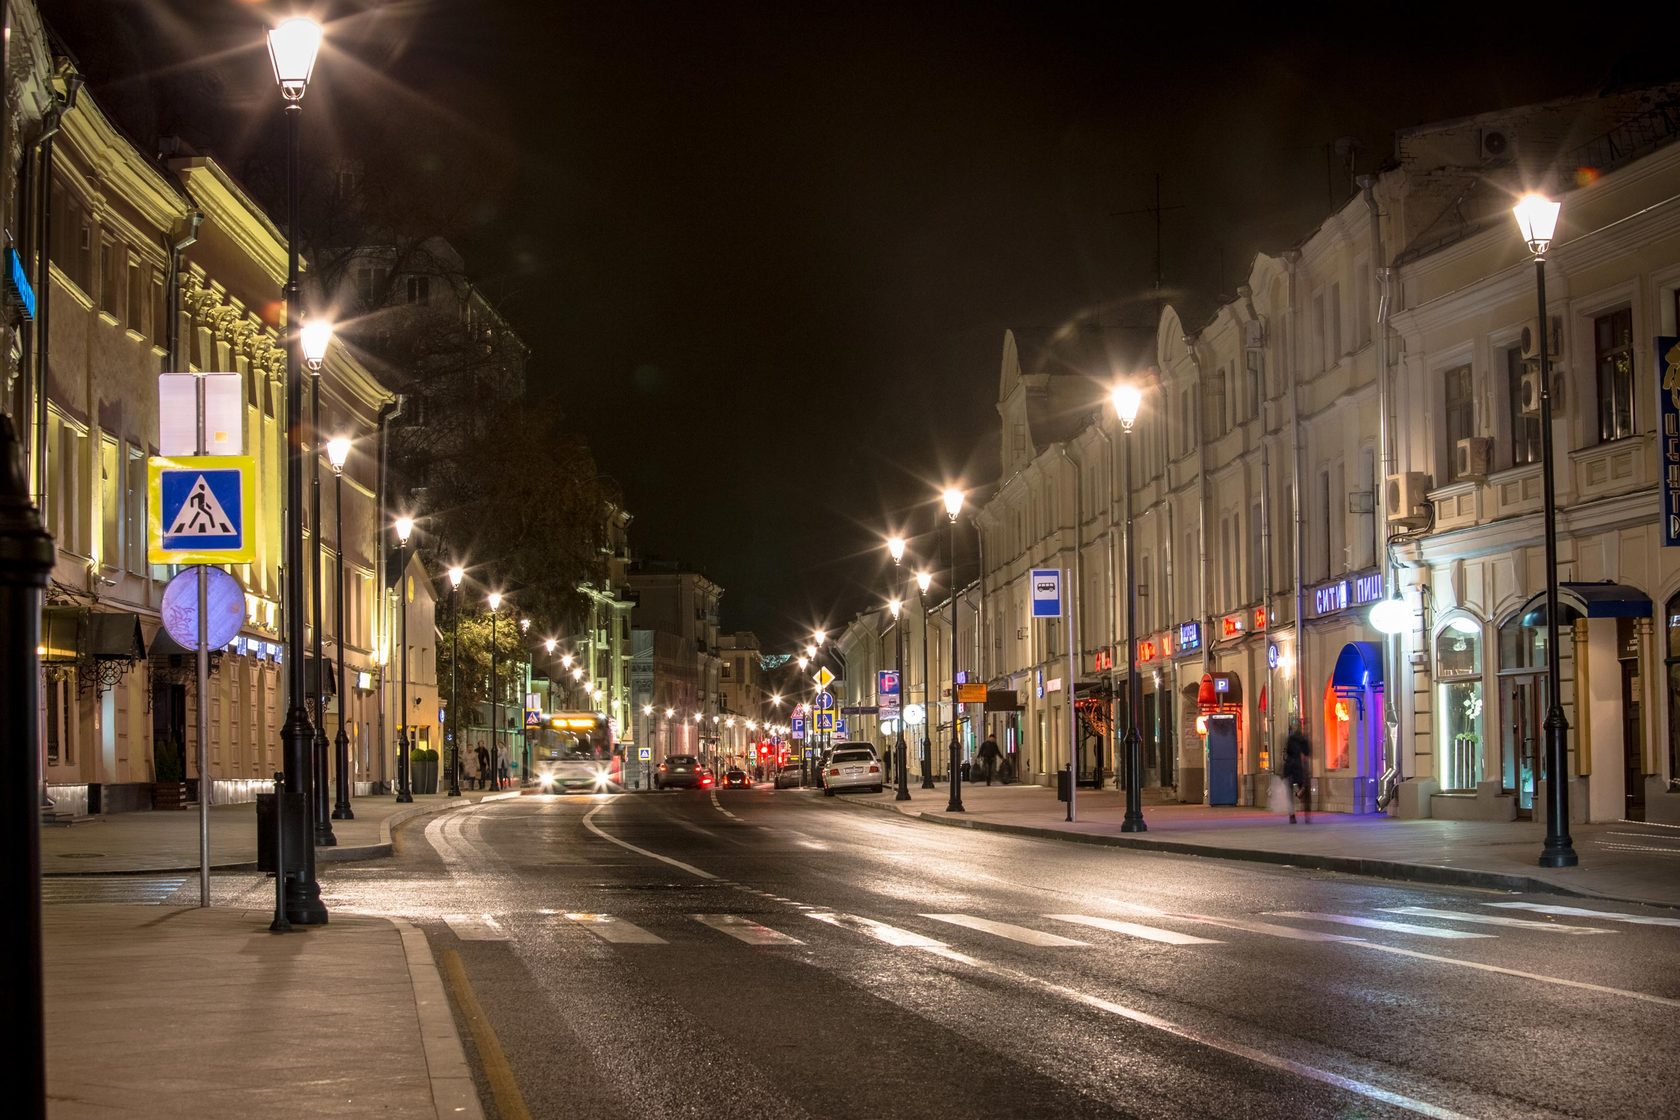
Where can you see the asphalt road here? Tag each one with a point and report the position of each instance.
(777, 954)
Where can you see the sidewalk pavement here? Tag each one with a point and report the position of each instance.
(1627, 861)
(169, 1011)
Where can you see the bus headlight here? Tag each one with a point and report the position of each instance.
(603, 778)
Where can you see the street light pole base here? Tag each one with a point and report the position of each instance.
(303, 903)
(1133, 824)
(1558, 857)
(341, 814)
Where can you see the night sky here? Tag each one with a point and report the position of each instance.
(765, 254)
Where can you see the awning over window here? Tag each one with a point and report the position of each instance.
(115, 636)
(312, 677)
(1590, 600)
(1359, 666)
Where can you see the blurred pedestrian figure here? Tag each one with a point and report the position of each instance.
(483, 766)
(990, 756)
(1297, 770)
(886, 764)
(503, 777)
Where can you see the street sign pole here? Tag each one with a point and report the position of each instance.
(203, 660)
(1073, 713)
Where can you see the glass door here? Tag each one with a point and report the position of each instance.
(1522, 716)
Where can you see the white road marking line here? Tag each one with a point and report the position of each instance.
(716, 804)
(1004, 929)
(1579, 912)
(1493, 920)
(1270, 929)
(1378, 923)
(743, 930)
(482, 928)
(1132, 929)
(627, 846)
(616, 930)
(880, 931)
(1479, 966)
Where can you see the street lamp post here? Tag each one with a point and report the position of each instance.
(953, 506)
(810, 730)
(1537, 217)
(456, 575)
(313, 336)
(405, 526)
(1128, 399)
(338, 452)
(923, 580)
(901, 753)
(495, 601)
(292, 47)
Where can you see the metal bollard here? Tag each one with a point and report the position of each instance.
(280, 924)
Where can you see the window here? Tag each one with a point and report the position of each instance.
(1186, 422)
(1214, 420)
(57, 726)
(1256, 557)
(1361, 303)
(420, 289)
(160, 310)
(114, 279)
(1335, 324)
(1459, 393)
(138, 289)
(1337, 551)
(1458, 688)
(1320, 335)
(1525, 426)
(1613, 359)
(1323, 570)
(135, 522)
(110, 504)
(1253, 367)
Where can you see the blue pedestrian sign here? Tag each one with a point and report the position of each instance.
(1047, 593)
(202, 509)
(825, 721)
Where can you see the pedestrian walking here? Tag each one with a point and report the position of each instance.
(1297, 770)
(483, 774)
(990, 756)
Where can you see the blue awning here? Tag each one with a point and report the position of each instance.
(1358, 667)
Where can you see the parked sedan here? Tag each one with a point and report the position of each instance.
(788, 776)
(852, 768)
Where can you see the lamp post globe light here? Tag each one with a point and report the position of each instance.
(405, 529)
(314, 335)
(1128, 399)
(338, 454)
(953, 499)
(456, 575)
(292, 47)
(924, 580)
(494, 600)
(1537, 217)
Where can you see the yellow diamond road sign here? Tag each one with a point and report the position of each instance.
(824, 677)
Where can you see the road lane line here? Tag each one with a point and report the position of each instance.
(1480, 967)
(718, 805)
(510, 1103)
(880, 931)
(616, 930)
(1004, 929)
(1133, 929)
(744, 930)
(1493, 920)
(482, 928)
(1378, 923)
(1578, 912)
(1269, 929)
(627, 846)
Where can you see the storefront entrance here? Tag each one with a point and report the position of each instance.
(1522, 709)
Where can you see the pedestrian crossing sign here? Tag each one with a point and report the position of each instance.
(201, 509)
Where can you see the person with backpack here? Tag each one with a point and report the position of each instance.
(1297, 770)
(990, 756)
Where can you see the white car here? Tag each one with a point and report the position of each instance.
(852, 766)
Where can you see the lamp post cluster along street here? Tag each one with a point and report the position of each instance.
(1128, 398)
(292, 47)
(1537, 217)
(900, 752)
(953, 498)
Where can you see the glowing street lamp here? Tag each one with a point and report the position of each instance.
(456, 575)
(953, 499)
(405, 529)
(924, 580)
(1128, 400)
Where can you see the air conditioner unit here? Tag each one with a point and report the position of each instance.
(1531, 340)
(1528, 391)
(1472, 457)
(1498, 145)
(1406, 500)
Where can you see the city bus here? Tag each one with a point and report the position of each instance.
(575, 751)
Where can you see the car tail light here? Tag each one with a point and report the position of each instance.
(874, 769)
(834, 772)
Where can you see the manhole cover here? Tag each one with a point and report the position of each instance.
(81, 855)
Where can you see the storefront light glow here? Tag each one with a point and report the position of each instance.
(1390, 616)
(1464, 624)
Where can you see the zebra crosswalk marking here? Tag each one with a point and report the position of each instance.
(1493, 920)
(1270, 929)
(1581, 912)
(480, 928)
(881, 931)
(1133, 929)
(616, 930)
(1378, 923)
(744, 930)
(1005, 930)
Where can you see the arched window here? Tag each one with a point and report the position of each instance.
(1459, 703)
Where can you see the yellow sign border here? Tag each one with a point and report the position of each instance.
(246, 465)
